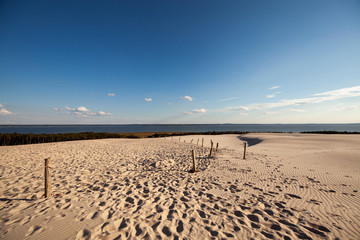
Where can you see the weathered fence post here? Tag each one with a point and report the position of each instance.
(197, 142)
(202, 144)
(217, 146)
(47, 178)
(191, 140)
(244, 150)
(194, 170)
(211, 149)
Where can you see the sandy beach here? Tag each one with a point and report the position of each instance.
(290, 186)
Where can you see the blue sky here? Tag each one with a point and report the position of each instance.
(113, 62)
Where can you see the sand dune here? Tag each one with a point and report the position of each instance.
(290, 186)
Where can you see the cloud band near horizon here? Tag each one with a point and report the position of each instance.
(316, 98)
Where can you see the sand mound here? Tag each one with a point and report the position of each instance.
(131, 189)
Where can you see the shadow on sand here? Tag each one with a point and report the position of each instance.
(15, 199)
(251, 141)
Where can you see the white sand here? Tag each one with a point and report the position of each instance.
(290, 186)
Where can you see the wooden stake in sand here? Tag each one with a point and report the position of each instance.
(217, 146)
(202, 144)
(191, 140)
(244, 150)
(47, 178)
(194, 170)
(197, 142)
(211, 148)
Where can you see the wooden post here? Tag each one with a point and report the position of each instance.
(194, 170)
(217, 146)
(179, 139)
(47, 178)
(244, 150)
(197, 142)
(191, 140)
(202, 144)
(211, 149)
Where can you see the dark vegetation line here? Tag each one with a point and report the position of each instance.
(331, 132)
(20, 139)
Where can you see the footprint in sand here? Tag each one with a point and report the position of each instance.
(180, 227)
(13, 221)
(155, 225)
(276, 227)
(253, 218)
(269, 212)
(108, 227)
(81, 216)
(92, 216)
(83, 234)
(42, 211)
(213, 232)
(35, 229)
(107, 214)
(66, 206)
(267, 235)
(279, 205)
(166, 231)
(238, 213)
(201, 214)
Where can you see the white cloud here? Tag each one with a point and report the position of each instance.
(239, 108)
(343, 92)
(69, 108)
(201, 110)
(148, 99)
(317, 98)
(82, 109)
(271, 113)
(270, 95)
(296, 110)
(101, 113)
(228, 99)
(274, 87)
(82, 112)
(187, 98)
(346, 108)
(4, 112)
(111, 94)
(283, 111)
(338, 94)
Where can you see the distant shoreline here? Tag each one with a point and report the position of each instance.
(141, 128)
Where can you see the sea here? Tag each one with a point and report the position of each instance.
(129, 128)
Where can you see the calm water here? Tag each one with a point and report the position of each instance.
(179, 128)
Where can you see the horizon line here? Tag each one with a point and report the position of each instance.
(170, 124)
